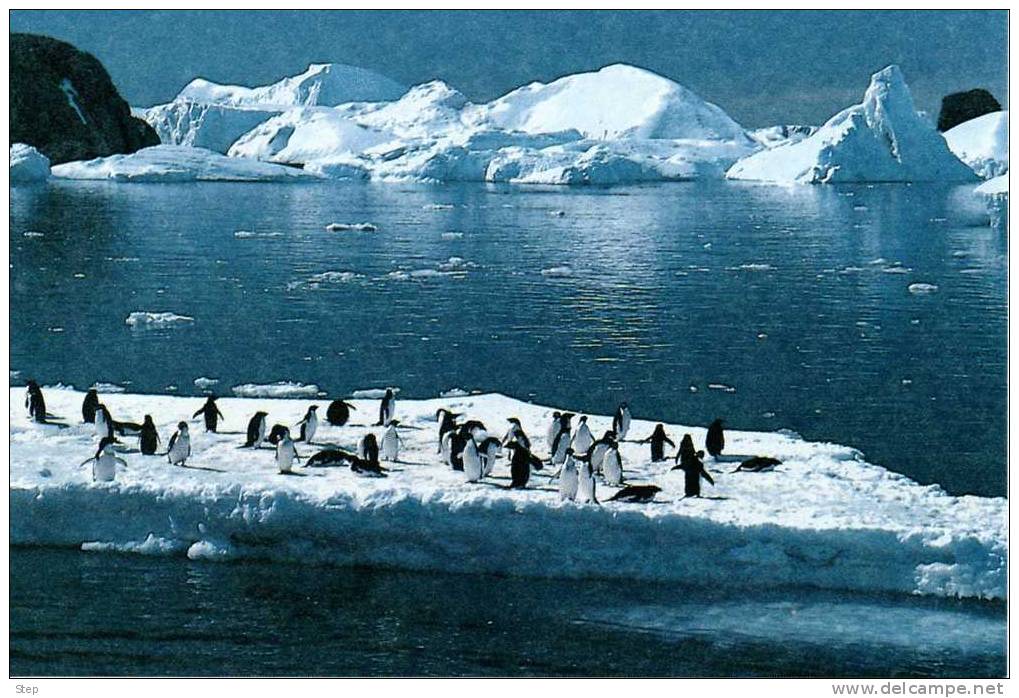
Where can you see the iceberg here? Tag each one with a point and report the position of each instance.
(175, 163)
(785, 134)
(144, 319)
(825, 518)
(994, 187)
(982, 143)
(882, 139)
(28, 164)
(211, 126)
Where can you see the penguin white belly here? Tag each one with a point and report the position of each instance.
(447, 446)
(181, 449)
(489, 457)
(568, 482)
(624, 424)
(472, 462)
(613, 467)
(391, 446)
(261, 433)
(553, 430)
(598, 457)
(559, 457)
(285, 453)
(585, 488)
(105, 468)
(101, 427)
(310, 427)
(582, 440)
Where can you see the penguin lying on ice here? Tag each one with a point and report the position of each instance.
(757, 464)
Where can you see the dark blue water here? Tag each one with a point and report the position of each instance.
(116, 615)
(792, 298)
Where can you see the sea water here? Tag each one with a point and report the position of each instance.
(871, 315)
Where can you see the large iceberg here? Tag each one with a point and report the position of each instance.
(28, 164)
(211, 126)
(825, 518)
(175, 163)
(982, 143)
(882, 139)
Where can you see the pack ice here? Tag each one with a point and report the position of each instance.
(882, 139)
(824, 518)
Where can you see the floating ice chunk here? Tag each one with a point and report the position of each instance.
(454, 392)
(203, 383)
(438, 207)
(252, 234)
(561, 272)
(33, 234)
(452, 235)
(372, 393)
(753, 266)
(723, 387)
(557, 214)
(28, 164)
(921, 288)
(357, 227)
(108, 387)
(896, 270)
(279, 389)
(143, 319)
(152, 545)
(456, 264)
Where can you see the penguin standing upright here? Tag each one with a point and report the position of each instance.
(561, 445)
(714, 442)
(103, 422)
(596, 454)
(447, 423)
(553, 428)
(211, 413)
(689, 461)
(368, 451)
(516, 433)
(89, 405)
(621, 421)
(35, 403)
(256, 430)
(309, 425)
(148, 439)
(490, 449)
(583, 439)
(612, 466)
(569, 478)
(586, 487)
(658, 439)
(286, 454)
(471, 461)
(520, 465)
(179, 449)
(338, 412)
(457, 442)
(391, 442)
(387, 409)
(105, 462)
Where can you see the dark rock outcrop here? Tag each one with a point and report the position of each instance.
(963, 106)
(64, 103)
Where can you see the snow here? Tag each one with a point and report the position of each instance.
(28, 164)
(279, 389)
(824, 518)
(982, 143)
(996, 186)
(145, 319)
(306, 134)
(882, 139)
(174, 163)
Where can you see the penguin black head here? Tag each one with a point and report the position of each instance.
(389, 392)
(556, 415)
(182, 426)
(92, 392)
(394, 422)
(32, 385)
(660, 429)
(717, 423)
(609, 435)
(583, 419)
(514, 420)
(369, 439)
(261, 414)
(565, 417)
(313, 408)
(103, 443)
(210, 399)
(148, 420)
(623, 405)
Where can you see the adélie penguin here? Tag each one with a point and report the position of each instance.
(516, 433)
(586, 488)
(391, 442)
(286, 454)
(309, 425)
(211, 413)
(490, 449)
(104, 422)
(387, 409)
(636, 494)
(553, 428)
(148, 439)
(612, 467)
(105, 462)
(34, 402)
(89, 405)
(368, 450)
(583, 439)
(256, 430)
(569, 478)
(179, 448)
(560, 445)
(658, 439)
(714, 442)
(621, 421)
(596, 454)
(447, 423)
(471, 461)
(338, 412)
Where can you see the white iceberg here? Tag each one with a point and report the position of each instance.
(994, 187)
(174, 163)
(28, 164)
(883, 139)
(199, 125)
(784, 134)
(146, 319)
(825, 518)
(982, 143)
(279, 389)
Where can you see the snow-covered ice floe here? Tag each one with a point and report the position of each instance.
(824, 518)
(279, 389)
(28, 164)
(982, 143)
(882, 139)
(145, 319)
(175, 163)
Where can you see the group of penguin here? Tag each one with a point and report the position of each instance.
(465, 446)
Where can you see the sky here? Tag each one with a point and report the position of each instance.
(762, 67)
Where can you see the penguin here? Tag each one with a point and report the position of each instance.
(35, 403)
(490, 449)
(179, 448)
(714, 442)
(211, 413)
(636, 494)
(621, 421)
(586, 487)
(520, 465)
(148, 440)
(457, 442)
(553, 428)
(256, 430)
(387, 409)
(447, 423)
(330, 456)
(612, 466)
(127, 428)
(568, 478)
(103, 423)
(658, 439)
(757, 464)
(471, 460)
(596, 454)
(338, 412)
(689, 461)
(583, 440)
(516, 433)
(477, 429)
(309, 425)
(561, 445)
(368, 451)
(105, 462)
(391, 442)
(286, 454)
(88, 406)
(276, 433)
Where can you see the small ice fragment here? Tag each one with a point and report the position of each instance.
(437, 207)
(922, 288)
(452, 235)
(158, 319)
(203, 383)
(359, 227)
(559, 272)
(557, 214)
(722, 386)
